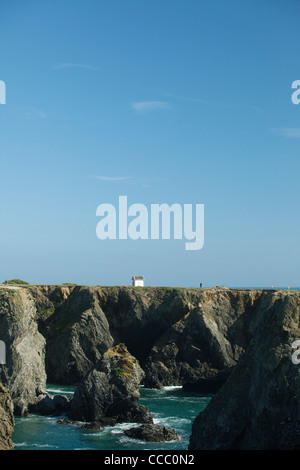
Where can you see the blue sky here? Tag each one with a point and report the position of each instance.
(165, 101)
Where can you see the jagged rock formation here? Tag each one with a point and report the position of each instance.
(209, 338)
(76, 329)
(177, 335)
(6, 420)
(24, 372)
(258, 407)
(110, 391)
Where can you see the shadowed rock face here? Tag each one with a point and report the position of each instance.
(177, 335)
(6, 420)
(258, 407)
(110, 391)
(77, 334)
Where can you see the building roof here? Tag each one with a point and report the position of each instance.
(138, 278)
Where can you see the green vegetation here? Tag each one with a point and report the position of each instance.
(120, 372)
(15, 282)
(123, 361)
(69, 284)
(49, 311)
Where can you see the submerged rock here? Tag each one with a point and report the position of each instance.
(152, 433)
(63, 421)
(93, 426)
(110, 392)
(258, 407)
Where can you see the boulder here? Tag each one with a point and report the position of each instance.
(258, 407)
(109, 393)
(152, 433)
(47, 405)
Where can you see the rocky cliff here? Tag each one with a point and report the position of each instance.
(177, 335)
(258, 407)
(6, 420)
(195, 337)
(109, 393)
(24, 372)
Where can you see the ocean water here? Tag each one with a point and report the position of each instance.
(171, 407)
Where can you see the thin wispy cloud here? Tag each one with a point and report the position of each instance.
(146, 106)
(214, 104)
(204, 102)
(28, 112)
(193, 100)
(34, 112)
(288, 132)
(145, 182)
(111, 178)
(70, 65)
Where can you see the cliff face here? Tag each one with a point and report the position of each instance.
(258, 407)
(209, 336)
(76, 330)
(24, 372)
(177, 335)
(6, 420)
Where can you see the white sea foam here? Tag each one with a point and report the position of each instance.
(57, 391)
(171, 421)
(163, 404)
(173, 387)
(119, 428)
(40, 446)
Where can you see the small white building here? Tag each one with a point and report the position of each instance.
(138, 281)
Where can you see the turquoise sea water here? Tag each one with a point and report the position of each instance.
(171, 407)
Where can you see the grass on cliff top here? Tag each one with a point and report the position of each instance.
(16, 282)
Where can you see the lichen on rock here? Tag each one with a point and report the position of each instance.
(109, 393)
